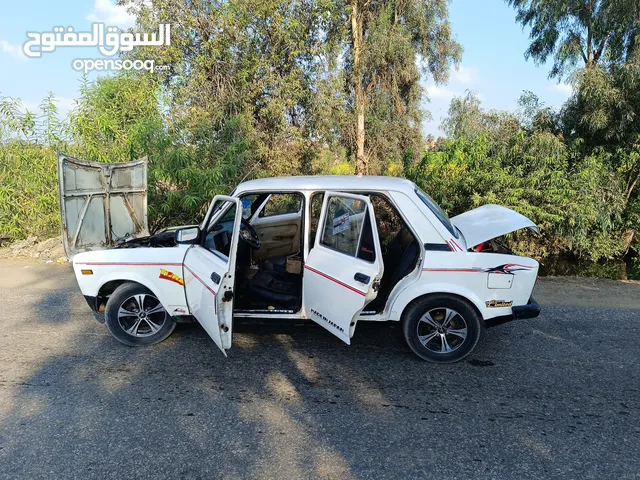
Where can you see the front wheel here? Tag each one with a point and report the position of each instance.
(135, 317)
(441, 328)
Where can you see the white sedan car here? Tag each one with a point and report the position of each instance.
(334, 250)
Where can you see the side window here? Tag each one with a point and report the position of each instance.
(249, 204)
(347, 228)
(388, 220)
(281, 204)
(219, 234)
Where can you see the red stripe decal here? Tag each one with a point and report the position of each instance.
(336, 281)
(468, 270)
(137, 264)
(450, 246)
(200, 280)
(516, 265)
(454, 242)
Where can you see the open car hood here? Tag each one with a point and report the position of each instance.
(490, 221)
(101, 204)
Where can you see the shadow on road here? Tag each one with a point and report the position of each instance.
(294, 402)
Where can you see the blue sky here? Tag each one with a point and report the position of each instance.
(493, 63)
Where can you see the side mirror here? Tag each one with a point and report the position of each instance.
(187, 235)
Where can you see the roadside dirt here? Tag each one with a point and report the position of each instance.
(47, 251)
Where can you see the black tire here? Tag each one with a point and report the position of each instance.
(426, 340)
(147, 332)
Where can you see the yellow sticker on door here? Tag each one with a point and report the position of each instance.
(172, 277)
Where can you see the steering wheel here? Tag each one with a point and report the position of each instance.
(249, 235)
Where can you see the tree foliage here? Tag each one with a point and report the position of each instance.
(383, 77)
(578, 205)
(579, 32)
(284, 68)
(270, 88)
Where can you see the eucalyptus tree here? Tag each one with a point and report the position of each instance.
(577, 33)
(390, 44)
(240, 69)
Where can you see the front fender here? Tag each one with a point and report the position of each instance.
(170, 293)
(90, 285)
(130, 277)
(158, 269)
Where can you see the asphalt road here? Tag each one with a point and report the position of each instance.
(554, 397)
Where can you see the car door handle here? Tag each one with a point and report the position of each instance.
(283, 237)
(215, 278)
(361, 277)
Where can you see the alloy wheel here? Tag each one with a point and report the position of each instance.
(141, 315)
(442, 330)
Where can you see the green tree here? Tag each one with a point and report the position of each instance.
(116, 119)
(390, 42)
(262, 68)
(602, 116)
(467, 119)
(279, 68)
(579, 32)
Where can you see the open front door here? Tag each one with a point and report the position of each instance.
(344, 267)
(209, 270)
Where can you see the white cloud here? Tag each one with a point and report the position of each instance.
(465, 75)
(563, 88)
(14, 50)
(111, 14)
(63, 104)
(33, 107)
(435, 92)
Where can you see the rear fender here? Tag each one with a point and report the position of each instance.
(418, 290)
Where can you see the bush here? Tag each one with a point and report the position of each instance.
(28, 190)
(578, 209)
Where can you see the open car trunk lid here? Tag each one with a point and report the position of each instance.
(101, 204)
(490, 221)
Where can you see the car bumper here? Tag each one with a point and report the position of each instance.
(92, 302)
(519, 312)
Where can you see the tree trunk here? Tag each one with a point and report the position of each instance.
(359, 94)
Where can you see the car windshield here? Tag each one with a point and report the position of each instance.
(437, 211)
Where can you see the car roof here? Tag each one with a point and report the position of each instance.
(329, 182)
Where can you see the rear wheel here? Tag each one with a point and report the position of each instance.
(441, 328)
(135, 317)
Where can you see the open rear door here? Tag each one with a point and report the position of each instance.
(344, 267)
(209, 270)
(101, 203)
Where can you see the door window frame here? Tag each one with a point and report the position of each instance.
(360, 235)
(365, 193)
(219, 215)
(256, 213)
(259, 213)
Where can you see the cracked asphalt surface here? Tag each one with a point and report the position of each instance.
(553, 397)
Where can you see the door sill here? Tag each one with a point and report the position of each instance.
(269, 313)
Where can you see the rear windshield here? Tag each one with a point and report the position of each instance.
(437, 211)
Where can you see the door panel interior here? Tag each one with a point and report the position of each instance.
(279, 235)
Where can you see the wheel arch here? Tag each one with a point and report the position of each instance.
(411, 295)
(109, 285)
(433, 294)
